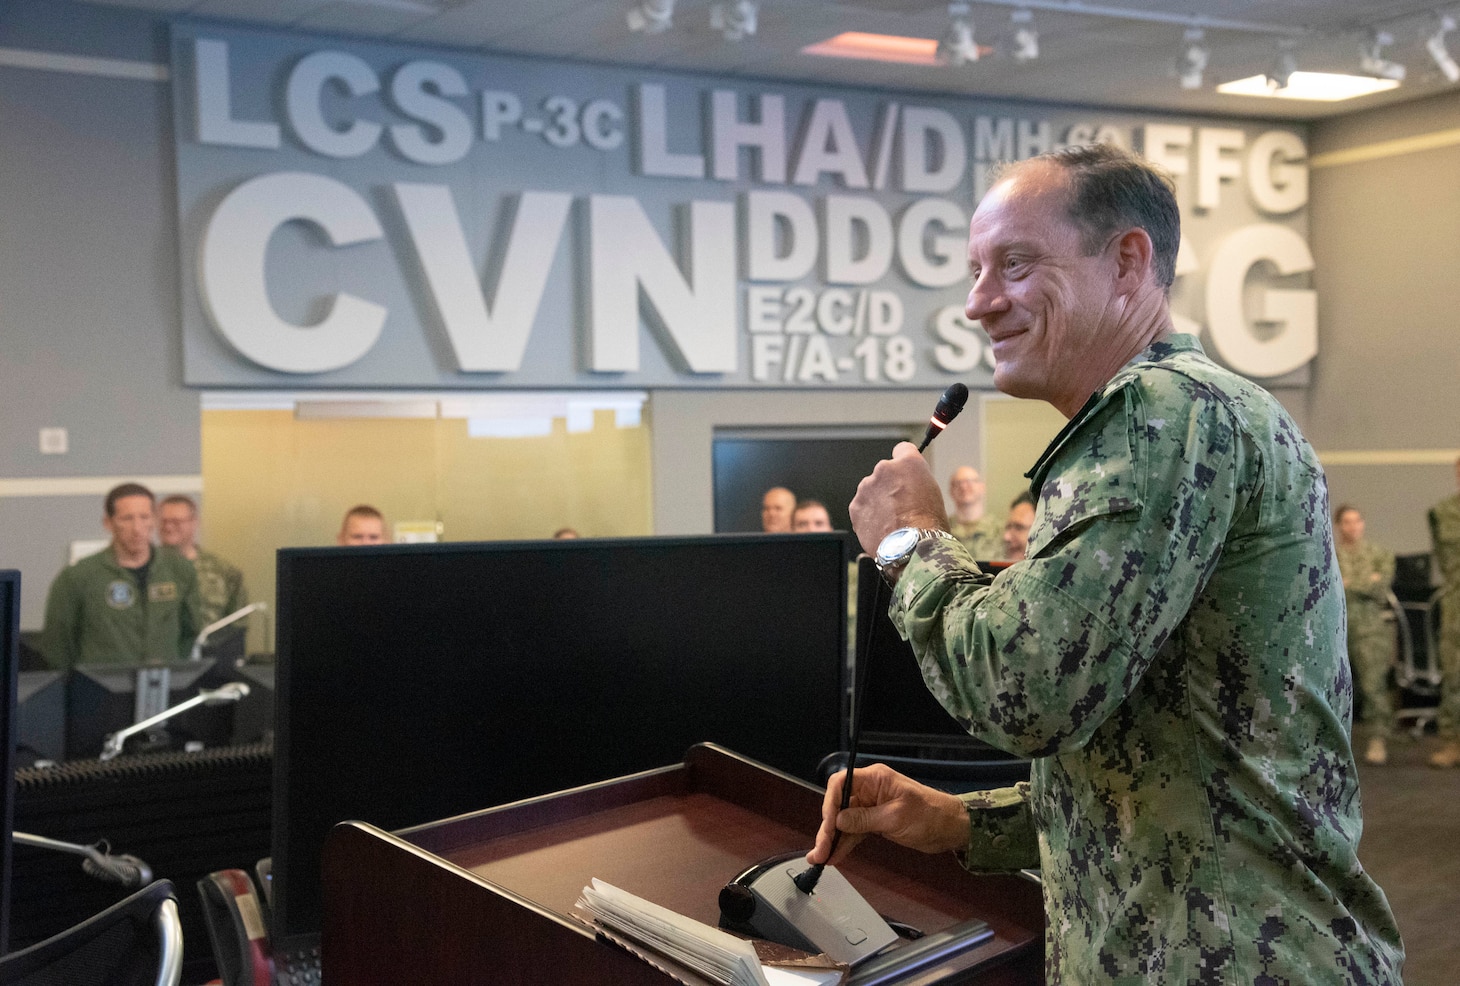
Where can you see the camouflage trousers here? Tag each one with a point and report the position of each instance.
(1371, 651)
(1448, 718)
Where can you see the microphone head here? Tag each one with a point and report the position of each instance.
(123, 868)
(951, 403)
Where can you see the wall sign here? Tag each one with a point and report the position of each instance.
(371, 215)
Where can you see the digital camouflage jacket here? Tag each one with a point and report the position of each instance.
(1172, 654)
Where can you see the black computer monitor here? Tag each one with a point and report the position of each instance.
(416, 682)
(40, 717)
(103, 698)
(253, 717)
(9, 668)
(899, 714)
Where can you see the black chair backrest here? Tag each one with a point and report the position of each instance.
(118, 947)
(1412, 577)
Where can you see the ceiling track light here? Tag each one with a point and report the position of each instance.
(735, 20)
(1372, 60)
(1283, 67)
(1191, 63)
(1439, 52)
(1026, 38)
(958, 46)
(651, 16)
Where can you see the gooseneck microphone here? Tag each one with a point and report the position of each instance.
(949, 405)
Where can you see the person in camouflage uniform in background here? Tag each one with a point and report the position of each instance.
(220, 584)
(1368, 572)
(981, 534)
(1170, 654)
(1445, 535)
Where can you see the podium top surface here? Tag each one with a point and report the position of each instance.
(675, 836)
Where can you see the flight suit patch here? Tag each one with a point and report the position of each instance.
(162, 592)
(120, 595)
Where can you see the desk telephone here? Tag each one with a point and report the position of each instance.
(238, 928)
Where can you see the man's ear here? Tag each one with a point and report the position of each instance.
(1133, 255)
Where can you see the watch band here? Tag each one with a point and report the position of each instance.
(923, 534)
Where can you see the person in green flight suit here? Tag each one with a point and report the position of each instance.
(129, 603)
(1171, 651)
(1368, 571)
(981, 534)
(1445, 536)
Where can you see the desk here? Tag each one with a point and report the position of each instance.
(487, 897)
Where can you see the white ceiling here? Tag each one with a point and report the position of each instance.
(1100, 61)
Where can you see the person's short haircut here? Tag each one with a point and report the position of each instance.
(808, 504)
(180, 499)
(1112, 189)
(361, 510)
(124, 490)
(1024, 497)
(1342, 509)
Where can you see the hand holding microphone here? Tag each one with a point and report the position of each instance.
(901, 492)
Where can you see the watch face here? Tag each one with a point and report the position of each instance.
(896, 546)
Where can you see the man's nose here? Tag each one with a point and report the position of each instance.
(984, 298)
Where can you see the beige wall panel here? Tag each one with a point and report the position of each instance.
(1015, 432)
(275, 481)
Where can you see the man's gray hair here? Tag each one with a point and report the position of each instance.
(1112, 189)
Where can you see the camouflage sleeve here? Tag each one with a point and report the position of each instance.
(1445, 537)
(1381, 564)
(237, 593)
(1001, 833)
(1131, 521)
(190, 611)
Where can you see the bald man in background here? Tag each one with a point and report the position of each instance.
(776, 508)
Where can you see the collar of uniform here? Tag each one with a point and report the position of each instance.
(109, 556)
(1162, 349)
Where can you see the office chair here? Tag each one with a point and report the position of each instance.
(954, 776)
(135, 942)
(1417, 669)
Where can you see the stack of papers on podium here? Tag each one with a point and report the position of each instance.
(710, 952)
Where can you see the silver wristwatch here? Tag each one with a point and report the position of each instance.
(897, 547)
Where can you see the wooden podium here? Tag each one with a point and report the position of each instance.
(487, 897)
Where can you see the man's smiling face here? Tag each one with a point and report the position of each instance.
(1042, 300)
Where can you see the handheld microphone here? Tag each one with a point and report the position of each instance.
(948, 407)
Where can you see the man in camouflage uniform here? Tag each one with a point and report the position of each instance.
(1368, 571)
(981, 534)
(1171, 652)
(220, 585)
(1445, 534)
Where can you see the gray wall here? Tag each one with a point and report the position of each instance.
(88, 289)
(1386, 241)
